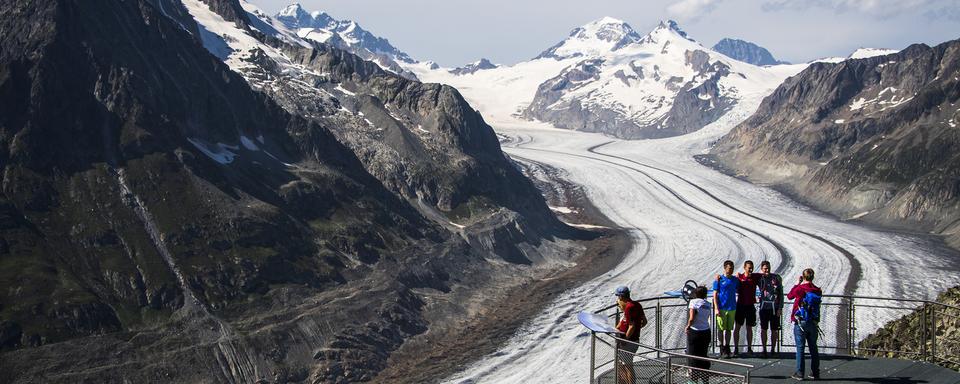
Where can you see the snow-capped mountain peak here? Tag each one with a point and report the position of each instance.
(862, 53)
(667, 31)
(345, 34)
(594, 38)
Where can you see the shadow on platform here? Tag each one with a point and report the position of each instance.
(833, 369)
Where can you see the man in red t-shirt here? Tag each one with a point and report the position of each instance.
(629, 326)
(746, 306)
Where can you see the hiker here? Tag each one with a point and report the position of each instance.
(771, 307)
(746, 307)
(806, 317)
(725, 306)
(629, 326)
(698, 333)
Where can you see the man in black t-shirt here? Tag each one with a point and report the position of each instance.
(771, 306)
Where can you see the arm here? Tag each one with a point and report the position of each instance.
(793, 292)
(643, 319)
(779, 302)
(631, 330)
(716, 304)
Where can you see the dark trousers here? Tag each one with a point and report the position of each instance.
(698, 342)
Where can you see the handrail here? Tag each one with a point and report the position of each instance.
(652, 298)
(674, 354)
(846, 340)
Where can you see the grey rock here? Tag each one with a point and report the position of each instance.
(873, 138)
(746, 52)
(471, 68)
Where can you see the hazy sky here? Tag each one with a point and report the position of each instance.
(454, 32)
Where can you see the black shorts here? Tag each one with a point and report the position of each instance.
(626, 351)
(746, 314)
(769, 320)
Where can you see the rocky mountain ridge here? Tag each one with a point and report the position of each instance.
(162, 221)
(872, 139)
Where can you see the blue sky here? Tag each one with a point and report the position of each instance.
(454, 32)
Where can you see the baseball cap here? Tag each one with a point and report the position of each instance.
(622, 291)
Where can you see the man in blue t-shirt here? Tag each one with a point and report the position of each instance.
(725, 306)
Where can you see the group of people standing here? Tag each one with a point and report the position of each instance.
(734, 306)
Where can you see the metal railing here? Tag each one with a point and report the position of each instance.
(847, 323)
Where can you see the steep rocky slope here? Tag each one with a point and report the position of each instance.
(874, 139)
(161, 221)
(906, 333)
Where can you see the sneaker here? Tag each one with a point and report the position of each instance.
(736, 351)
(797, 376)
(750, 352)
(765, 355)
(814, 377)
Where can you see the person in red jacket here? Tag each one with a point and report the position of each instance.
(629, 326)
(805, 331)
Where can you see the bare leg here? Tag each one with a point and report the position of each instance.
(749, 338)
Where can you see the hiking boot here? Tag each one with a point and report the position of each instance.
(797, 376)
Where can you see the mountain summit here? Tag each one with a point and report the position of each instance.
(344, 34)
(594, 38)
(630, 86)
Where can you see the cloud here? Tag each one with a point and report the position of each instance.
(690, 10)
(877, 8)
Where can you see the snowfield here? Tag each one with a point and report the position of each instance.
(685, 219)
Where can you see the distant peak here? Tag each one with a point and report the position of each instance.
(293, 10)
(862, 53)
(606, 20)
(673, 26)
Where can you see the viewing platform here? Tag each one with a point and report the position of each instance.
(922, 352)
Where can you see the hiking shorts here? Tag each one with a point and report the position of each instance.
(726, 320)
(625, 351)
(746, 314)
(769, 319)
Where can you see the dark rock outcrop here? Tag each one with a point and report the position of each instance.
(874, 139)
(471, 68)
(915, 333)
(746, 52)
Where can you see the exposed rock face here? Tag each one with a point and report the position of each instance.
(875, 139)
(905, 334)
(746, 52)
(479, 65)
(659, 85)
(161, 221)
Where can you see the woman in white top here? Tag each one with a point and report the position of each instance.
(698, 332)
